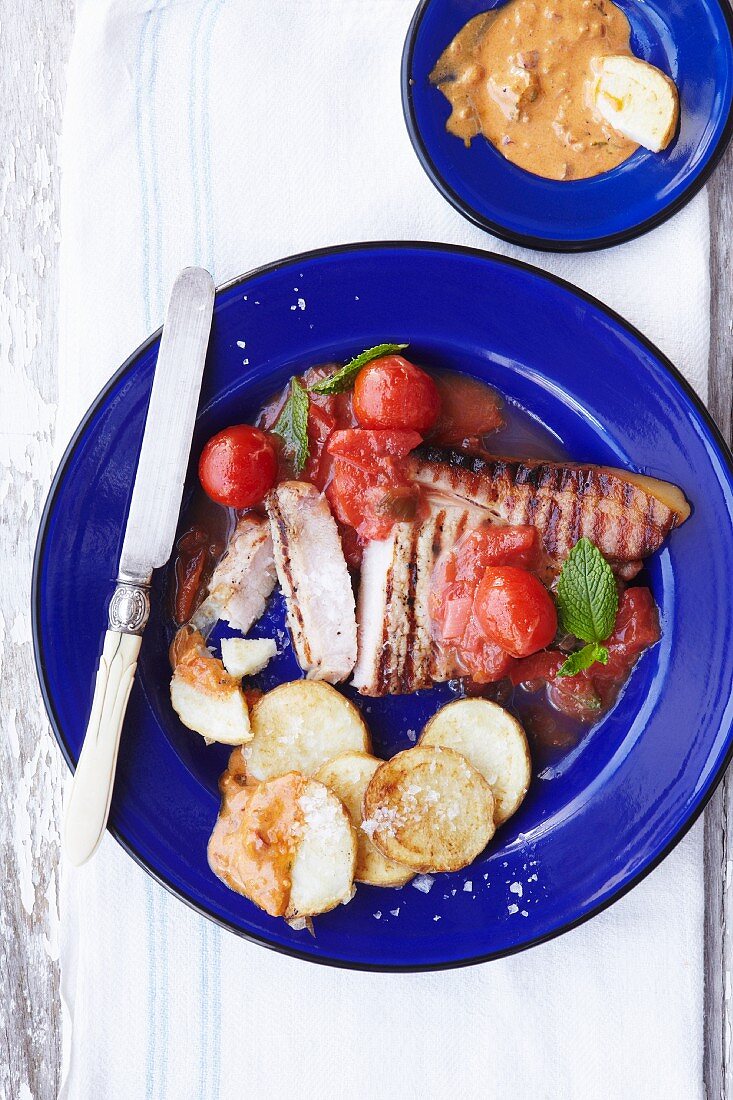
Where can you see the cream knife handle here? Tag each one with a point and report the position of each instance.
(91, 789)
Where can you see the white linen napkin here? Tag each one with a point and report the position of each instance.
(229, 134)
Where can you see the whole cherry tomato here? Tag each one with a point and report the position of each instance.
(392, 393)
(238, 466)
(515, 610)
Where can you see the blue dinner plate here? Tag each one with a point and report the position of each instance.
(598, 816)
(689, 39)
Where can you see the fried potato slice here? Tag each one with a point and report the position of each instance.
(205, 697)
(325, 859)
(429, 809)
(348, 776)
(299, 726)
(286, 844)
(493, 741)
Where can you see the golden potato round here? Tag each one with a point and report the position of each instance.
(429, 809)
(348, 776)
(299, 726)
(493, 741)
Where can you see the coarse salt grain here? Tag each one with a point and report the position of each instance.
(516, 888)
(512, 909)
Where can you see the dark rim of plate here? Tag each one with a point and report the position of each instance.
(129, 363)
(546, 244)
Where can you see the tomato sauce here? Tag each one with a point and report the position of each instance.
(362, 472)
(198, 549)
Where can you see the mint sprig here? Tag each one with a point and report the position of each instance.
(584, 658)
(292, 425)
(345, 376)
(587, 602)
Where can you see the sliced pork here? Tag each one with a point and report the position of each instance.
(396, 651)
(243, 579)
(626, 515)
(312, 572)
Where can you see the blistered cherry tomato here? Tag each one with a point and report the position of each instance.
(392, 393)
(515, 610)
(238, 466)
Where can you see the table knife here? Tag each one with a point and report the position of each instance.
(151, 527)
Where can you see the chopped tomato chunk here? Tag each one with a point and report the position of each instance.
(368, 488)
(469, 410)
(321, 422)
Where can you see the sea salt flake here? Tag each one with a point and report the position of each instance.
(512, 909)
(412, 735)
(241, 343)
(467, 886)
(423, 883)
(436, 917)
(516, 888)
(301, 303)
(378, 914)
(395, 912)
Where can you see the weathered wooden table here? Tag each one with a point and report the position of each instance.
(35, 37)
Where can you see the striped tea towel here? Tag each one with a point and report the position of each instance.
(229, 133)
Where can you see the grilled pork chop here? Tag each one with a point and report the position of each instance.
(396, 651)
(242, 580)
(626, 515)
(312, 572)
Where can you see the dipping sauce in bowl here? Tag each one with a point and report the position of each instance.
(522, 75)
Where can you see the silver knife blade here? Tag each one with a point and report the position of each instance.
(161, 469)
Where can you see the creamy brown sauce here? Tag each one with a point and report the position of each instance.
(252, 847)
(521, 75)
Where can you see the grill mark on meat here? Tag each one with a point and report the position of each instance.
(563, 501)
(315, 581)
(388, 653)
(287, 569)
(400, 656)
(242, 581)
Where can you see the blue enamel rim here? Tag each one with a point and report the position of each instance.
(450, 187)
(36, 598)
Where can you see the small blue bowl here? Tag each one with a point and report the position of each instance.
(690, 40)
(598, 816)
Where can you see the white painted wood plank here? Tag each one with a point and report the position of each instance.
(34, 44)
(717, 1065)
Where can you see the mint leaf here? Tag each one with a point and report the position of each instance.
(344, 377)
(292, 425)
(584, 658)
(587, 597)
